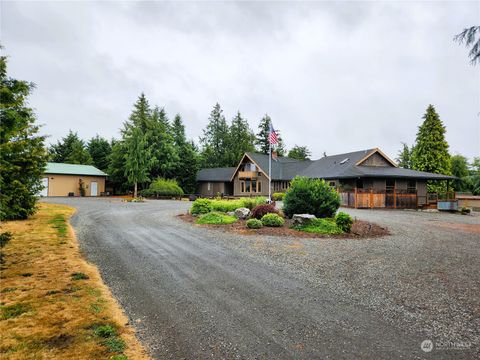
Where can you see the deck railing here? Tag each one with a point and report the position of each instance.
(370, 198)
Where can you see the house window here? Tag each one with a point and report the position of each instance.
(250, 167)
(254, 186)
(359, 183)
(390, 185)
(259, 186)
(411, 186)
(332, 183)
(247, 186)
(209, 186)
(242, 186)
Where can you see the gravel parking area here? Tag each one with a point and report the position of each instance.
(195, 292)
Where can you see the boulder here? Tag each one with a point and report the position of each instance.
(242, 213)
(302, 219)
(231, 213)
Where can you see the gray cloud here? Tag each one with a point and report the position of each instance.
(333, 76)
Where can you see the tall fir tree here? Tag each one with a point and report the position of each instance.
(299, 153)
(160, 142)
(404, 159)
(140, 115)
(188, 163)
(99, 149)
(71, 150)
(430, 152)
(262, 140)
(116, 168)
(242, 139)
(215, 141)
(136, 159)
(22, 151)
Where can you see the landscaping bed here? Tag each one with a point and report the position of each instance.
(360, 229)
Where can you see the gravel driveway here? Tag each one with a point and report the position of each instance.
(197, 293)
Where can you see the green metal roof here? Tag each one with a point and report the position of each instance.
(73, 169)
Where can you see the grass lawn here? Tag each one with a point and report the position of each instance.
(320, 226)
(53, 303)
(216, 218)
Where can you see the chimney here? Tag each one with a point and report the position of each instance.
(274, 155)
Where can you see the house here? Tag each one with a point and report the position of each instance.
(65, 180)
(366, 178)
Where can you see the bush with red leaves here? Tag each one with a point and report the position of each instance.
(260, 210)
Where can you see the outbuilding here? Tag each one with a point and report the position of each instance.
(61, 179)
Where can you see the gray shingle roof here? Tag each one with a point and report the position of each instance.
(215, 174)
(329, 167)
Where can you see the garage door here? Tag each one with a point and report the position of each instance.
(44, 191)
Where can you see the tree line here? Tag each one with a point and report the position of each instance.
(152, 146)
(430, 153)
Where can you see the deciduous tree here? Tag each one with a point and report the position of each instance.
(299, 153)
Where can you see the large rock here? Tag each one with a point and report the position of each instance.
(242, 213)
(302, 219)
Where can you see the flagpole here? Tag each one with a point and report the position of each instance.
(269, 170)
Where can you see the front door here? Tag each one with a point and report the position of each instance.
(44, 191)
(93, 188)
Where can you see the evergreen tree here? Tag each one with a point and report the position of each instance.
(22, 152)
(468, 36)
(116, 168)
(161, 146)
(430, 152)
(188, 163)
(404, 157)
(71, 150)
(299, 153)
(140, 115)
(242, 139)
(215, 140)
(99, 149)
(136, 158)
(262, 141)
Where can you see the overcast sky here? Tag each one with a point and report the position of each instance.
(335, 77)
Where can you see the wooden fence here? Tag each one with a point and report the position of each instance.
(369, 198)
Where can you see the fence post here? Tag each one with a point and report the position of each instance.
(355, 198)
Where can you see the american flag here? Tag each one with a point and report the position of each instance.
(272, 136)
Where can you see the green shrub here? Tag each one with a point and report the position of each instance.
(105, 331)
(254, 224)
(250, 203)
(114, 344)
(201, 206)
(272, 220)
(162, 187)
(310, 196)
(278, 196)
(465, 210)
(260, 210)
(216, 218)
(344, 221)
(320, 226)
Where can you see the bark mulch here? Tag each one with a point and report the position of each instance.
(360, 229)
